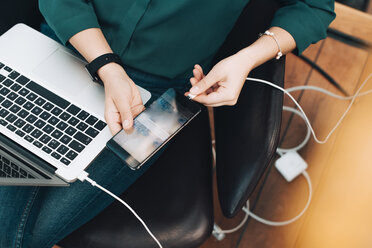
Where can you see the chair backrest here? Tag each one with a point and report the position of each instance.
(16, 11)
(247, 133)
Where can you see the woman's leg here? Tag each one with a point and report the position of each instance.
(37, 217)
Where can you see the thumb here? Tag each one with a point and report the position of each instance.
(204, 84)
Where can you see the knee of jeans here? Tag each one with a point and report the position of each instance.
(16, 218)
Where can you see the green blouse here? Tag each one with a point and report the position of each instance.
(167, 37)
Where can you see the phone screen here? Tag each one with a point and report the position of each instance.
(153, 128)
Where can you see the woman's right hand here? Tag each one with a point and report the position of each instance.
(122, 98)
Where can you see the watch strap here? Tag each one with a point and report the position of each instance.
(101, 61)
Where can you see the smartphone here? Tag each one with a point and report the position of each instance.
(153, 128)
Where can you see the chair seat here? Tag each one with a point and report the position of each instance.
(174, 198)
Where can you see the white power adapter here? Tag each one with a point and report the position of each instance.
(290, 165)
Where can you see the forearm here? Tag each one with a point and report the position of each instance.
(68, 17)
(91, 43)
(265, 48)
(122, 99)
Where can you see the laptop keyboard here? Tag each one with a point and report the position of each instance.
(51, 123)
(12, 170)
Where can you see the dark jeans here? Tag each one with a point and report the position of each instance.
(39, 217)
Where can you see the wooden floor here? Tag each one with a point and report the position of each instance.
(341, 170)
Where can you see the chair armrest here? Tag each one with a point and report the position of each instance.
(247, 133)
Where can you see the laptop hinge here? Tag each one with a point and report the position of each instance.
(27, 155)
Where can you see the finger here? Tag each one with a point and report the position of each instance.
(112, 117)
(220, 96)
(114, 122)
(136, 110)
(204, 84)
(137, 104)
(193, 81)
(137, 99)
(228, 103)
(208, 91)
(189, 95)
(125, 114)
(192, 96)
(212, 98)
(198, 67)
(197, 74)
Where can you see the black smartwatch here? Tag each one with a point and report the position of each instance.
(102, 60)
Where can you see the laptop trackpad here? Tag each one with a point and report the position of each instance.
(64, 71)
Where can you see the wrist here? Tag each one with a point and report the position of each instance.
(259, 52)
(248, 58)
(266, 47)
(111, 71)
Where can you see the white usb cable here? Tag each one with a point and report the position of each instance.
(283, 223)
(357, 94)
(84, 177)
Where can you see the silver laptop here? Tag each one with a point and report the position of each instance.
(51, 113)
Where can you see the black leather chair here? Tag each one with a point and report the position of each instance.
(247, 134)
(174, 196)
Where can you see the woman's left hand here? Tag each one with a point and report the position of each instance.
(222, 85)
